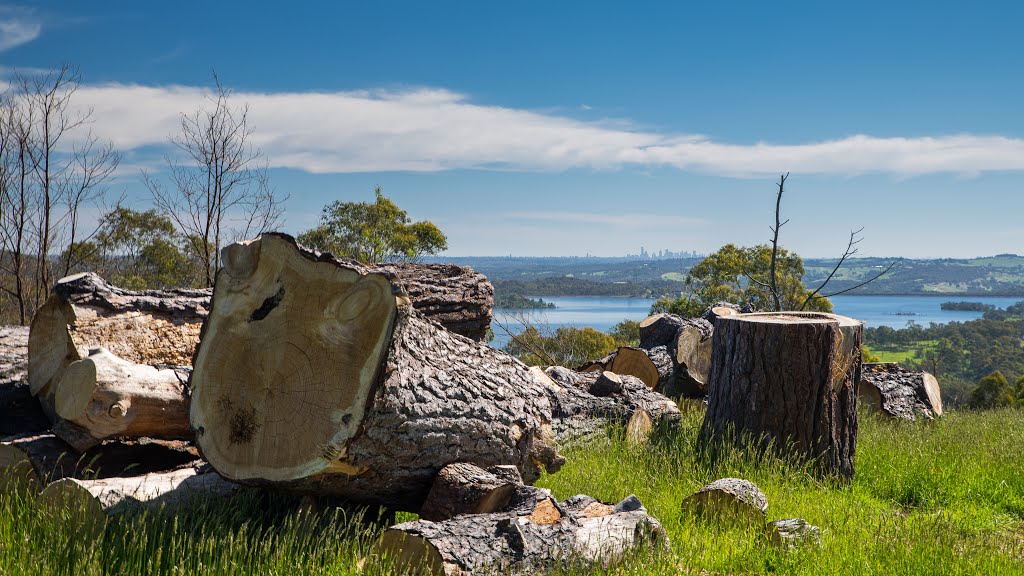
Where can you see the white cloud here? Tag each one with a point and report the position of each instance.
(17, 27)
(429, 129)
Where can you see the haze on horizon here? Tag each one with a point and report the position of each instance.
(547, 130)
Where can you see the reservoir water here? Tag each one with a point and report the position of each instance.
(602, 313)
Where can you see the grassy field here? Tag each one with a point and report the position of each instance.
(942, 498)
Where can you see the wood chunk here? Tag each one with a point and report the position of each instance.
(635, 362)
(692, 356)
(462, 488)
(316, 374)
(900, 393)
(790, 533)
(659, 329)
(789, 378)
(607, 383)
(728, 499)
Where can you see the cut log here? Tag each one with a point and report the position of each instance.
(579, 531)
(635, 362)
(692, 349)
(456, 297)
(462, 488)
(790, 533)
(578, 413)
(91, 502)
(659, 329)
(728, 499)
(719, 309)
(789, 378)
(107, 397)
(84, 312)
(20, 412)
(900, 393)
(30, 461)
(317, 375)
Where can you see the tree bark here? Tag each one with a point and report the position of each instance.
(900, 393)
(318, 375)
(462, 488)
(788, 378)
(535, 534)
(29, 461)
(20, 412)
(456, 297)
(105, 397)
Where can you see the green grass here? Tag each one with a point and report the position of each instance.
(941, 498)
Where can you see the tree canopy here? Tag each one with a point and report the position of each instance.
(373, 232)
(741, 275)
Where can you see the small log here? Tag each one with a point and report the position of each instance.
(635, 362)
(30, 461)
(659, 329)
(107, 397)
(579, 531)
(788, 378)
(790, 533)
(462, 488)
(93, 501)
(719, 309)
(607, 383)
(900, 393)
(728, 499)
(317, 375)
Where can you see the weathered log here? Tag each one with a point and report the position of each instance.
(579, 531)
(692, 349)
(456, 297)
(140, 326)
(20, 412)
(107, 397)
(91, 502)
(728, 499)
(317, 375)
(900, 393)
(659, 329)
(790, 533)
(462, 488)
(578, 413)
(789, 378)
(653, 367)
(30, 461)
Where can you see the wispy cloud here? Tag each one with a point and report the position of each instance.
(628, 220)
(428, 129)
(17, 26)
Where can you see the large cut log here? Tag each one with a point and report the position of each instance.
(91, 502)
(535, 533)
(30, 461)
(688, 343)
(20, 412)
(583, 403)
(659, 329)
(900, 393)
(318, 375)
(462, 488)
(456, 297)
(103, 396)
(139, 326)
(789, 378)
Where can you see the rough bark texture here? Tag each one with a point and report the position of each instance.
(462, 488)
(659, 329)
(578, 413)
(20, 412)
(356, 394)
(789, 378)
(535, 534)
(93, 501)
(900, 393)
(32, 460)
(104, 396)
(456, 297)
(728, 499)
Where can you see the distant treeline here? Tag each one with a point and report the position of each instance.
(513, 301)
(967, 306)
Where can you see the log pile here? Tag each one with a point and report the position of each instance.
(900, 393)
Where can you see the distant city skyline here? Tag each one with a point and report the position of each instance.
(547, 129)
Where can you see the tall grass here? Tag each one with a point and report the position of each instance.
(941, 498)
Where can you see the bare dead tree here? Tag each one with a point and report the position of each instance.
(220, 190)
(92, 165)
(772, 274)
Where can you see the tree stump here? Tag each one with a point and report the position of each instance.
(316, 374)
(789, 378)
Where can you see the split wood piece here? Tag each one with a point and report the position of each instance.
(788, 378)
(107, 397)
(91, 502)
(140, 326)
(30, 461)
(317, 375)
(579, 531)
(20, 412)
(790, 533)
(579, 414)
(456, 297)
(462, 488)
(692, 349)
(900, 393)
(729, 499)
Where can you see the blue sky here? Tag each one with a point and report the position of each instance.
(542, 128)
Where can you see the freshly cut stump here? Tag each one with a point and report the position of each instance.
(30, 461)
(91, 502)
(534, 534)
(317, 375)
(729, 499)
(900, 393)
(467, 489)
(789, 378)
(107, 397)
